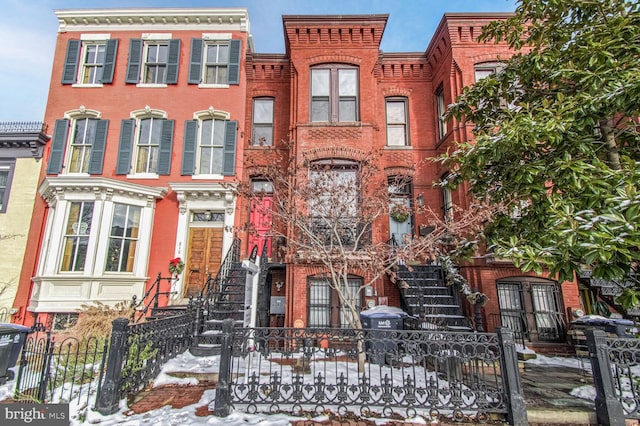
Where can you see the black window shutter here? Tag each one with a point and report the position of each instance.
(189, 149)
(195, 62)
(135, 61)
(109, 61)
(123, 164)
(233, 71)
(58, 144)
(229, 149)
(166, 147)
(172, 62)
(96, 159)
(70, 69)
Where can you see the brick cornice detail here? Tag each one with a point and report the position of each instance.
(396, 91)
(335, 152)
(323, 59)
(255, 93)
(399, 171)
(491, 57)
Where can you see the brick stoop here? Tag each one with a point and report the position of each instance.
(177, 396)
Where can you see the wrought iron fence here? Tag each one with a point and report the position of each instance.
(138, 352)
(61, 371)
(615, 363)
(531, 326)
(370, 372)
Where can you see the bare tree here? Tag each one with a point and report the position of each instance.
(330, 211)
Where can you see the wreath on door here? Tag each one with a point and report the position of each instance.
(399, 212)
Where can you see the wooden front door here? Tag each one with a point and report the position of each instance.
(204, 257)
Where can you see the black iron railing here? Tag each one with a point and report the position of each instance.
(212, 286)
(52, 371)
(614, 365)
(541, 326)
(150, 299)
(309, 371)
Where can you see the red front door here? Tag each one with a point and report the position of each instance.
(260, 224)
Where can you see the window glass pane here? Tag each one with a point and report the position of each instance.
(484, 72)
(348, 82)
(206, 138)
(212, 53)
(320, 110)
(262, 135)
(218, 132)
(76, 237)
(206, 155)
(347, 110)
(263, 111)
(217, 161)
(319, 304)
(396, 135)
(320, 82)
(118, 222)
(163, 53)
(145, 131)
(262, 186)
(123, 238)
(395, 112)
(223, 54)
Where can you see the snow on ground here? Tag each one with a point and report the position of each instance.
(187, 363)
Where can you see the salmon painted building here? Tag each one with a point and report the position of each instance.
(146, 109)
(158, 114)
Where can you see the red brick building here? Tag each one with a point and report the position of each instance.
(337, 95)
(184, 109)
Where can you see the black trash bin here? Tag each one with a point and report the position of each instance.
(12, 338)
(381, 318)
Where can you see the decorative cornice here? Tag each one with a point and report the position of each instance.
(152, 19)
(22, 139)
(58, 187)
(186, 192)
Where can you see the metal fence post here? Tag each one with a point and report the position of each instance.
(109, 394)
(223, 389)
(608, 407)
(517, 414)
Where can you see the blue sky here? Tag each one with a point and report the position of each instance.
(29, 28)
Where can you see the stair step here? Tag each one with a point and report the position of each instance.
(205, 350)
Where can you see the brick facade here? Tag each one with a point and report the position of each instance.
(168, 200)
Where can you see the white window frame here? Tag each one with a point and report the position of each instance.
(74, 116)
(65, 291)
(201, 116)
(87, 40)
(140, 115)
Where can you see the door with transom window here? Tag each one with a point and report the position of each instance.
(204, 252)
